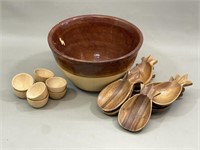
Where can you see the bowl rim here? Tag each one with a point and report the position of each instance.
(55, 27)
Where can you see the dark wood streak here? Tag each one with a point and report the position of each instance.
(133, 110)
(115, 94)
(141, 113)
(137, 110)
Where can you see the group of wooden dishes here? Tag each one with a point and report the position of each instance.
(37, 90)
(134, 98)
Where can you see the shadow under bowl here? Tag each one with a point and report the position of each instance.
(94, 50)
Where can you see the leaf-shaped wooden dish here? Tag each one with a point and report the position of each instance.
(134, 114)
(145, 69)
(113, 95)
(171, 90)
(116, 93)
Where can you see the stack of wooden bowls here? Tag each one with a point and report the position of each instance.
(38, 93)
(57, 87)
(21, 83)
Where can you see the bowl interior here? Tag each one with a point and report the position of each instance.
(56, 82)
(95, 38)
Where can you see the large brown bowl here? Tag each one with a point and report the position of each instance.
(94, 50)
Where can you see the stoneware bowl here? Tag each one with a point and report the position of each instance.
(94, 50)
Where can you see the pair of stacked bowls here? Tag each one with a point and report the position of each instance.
(21, 83)
(94, 50)
(37, 95)
(57, 87)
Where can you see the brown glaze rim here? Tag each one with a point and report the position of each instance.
(54, 49)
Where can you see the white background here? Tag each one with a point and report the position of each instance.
(171, 34)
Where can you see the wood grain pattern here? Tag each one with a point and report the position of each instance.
(135, 113)
(111, 113)
(114, 95)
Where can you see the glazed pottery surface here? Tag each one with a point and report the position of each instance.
(89, 48)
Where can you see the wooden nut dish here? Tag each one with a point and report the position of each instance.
(37, 94)
(134, 98)
(42, 74)
(57, 87)
(136, 111)
(115, 94)
(20, 83)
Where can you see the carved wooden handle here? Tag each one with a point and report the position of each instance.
(183, 80)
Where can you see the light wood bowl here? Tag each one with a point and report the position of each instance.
(56, 84)
(37, 91)
(22, 81)
(38, 104)
(57, 95)
(20, 94)
(42, 74)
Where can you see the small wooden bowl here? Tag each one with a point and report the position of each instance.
(56, 84)
(57, 95)
(20, 94)
(38, 104)
(37, 91)
(22, 81)
(42, 74)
